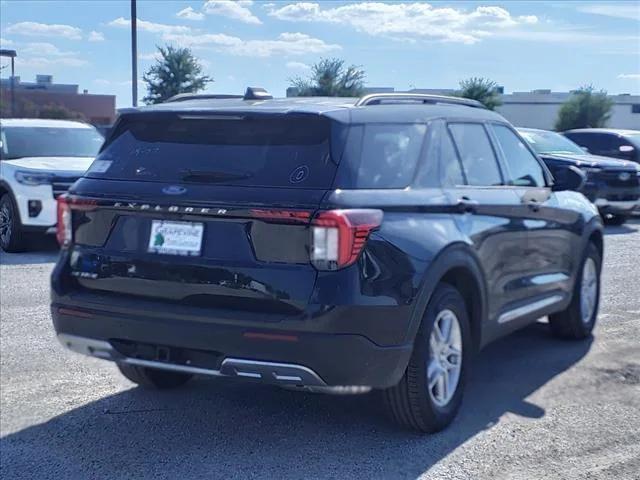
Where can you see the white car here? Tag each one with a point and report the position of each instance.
(39, 160)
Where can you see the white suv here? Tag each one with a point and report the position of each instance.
(39, 160)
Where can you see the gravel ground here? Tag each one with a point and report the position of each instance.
(536, 407)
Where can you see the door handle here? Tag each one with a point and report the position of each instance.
(466, 205)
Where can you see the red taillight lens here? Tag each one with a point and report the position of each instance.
(64, 231)
(63, 227)
(338, 236)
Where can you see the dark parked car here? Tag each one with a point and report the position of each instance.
(608, 142)
(322, 244)
(613, 185)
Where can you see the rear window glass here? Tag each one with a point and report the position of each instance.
(381, 155)
(291, 151)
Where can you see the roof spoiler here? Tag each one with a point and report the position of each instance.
(252, 93)
(387, 98)
(181, 97)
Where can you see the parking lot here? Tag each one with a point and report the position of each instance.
(537, 407)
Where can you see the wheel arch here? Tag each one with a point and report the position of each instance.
(458, 266)
(4, 188)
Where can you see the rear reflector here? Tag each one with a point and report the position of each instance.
(75, 313)
(281, 215)
(338, 236)
(271, 336)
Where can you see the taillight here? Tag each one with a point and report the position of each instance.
(64, 229)
(338, 236)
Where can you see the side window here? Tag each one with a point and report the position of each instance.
(389, 155)
(450, 168)
(476, 154)
(524, 169)
(440, 165)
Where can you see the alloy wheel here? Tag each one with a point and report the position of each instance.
(588, 290)
(445, 358)
(5, 224)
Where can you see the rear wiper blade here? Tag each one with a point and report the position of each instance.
(211, 176)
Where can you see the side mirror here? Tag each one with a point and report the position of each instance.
(569, 178)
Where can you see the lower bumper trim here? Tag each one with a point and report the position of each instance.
(285, 374)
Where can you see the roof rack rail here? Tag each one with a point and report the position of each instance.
(181, 97)
(380, 98)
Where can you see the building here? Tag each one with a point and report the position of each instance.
(32, 96)
(538, 108)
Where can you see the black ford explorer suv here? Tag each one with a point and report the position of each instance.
(613, 185)
(320, 243)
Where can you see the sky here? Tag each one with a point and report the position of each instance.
(519, 44)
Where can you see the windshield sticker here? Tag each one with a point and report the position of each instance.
(100, 166)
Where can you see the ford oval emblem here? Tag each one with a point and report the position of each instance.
(174, 190)
(624, 176)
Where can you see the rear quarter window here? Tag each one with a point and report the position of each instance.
(381, 155)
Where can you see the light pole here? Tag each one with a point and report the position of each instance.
(12, 54)
(134, 54)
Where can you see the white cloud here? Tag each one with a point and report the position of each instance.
(629, 10)
(151, 27)
(42, 62)
(101, 81)
(236, 10)
(408, 21)
(5, 42)
(630, 76)
(190, 14)
(45, 49)
(298, 66)
(35, 29)
(285, 44)
(96, 36)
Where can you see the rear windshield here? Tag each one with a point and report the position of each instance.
(274, 151)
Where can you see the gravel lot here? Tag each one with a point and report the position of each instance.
(536, 407)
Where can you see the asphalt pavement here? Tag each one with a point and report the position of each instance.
(536, 407)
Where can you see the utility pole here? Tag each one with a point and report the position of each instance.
(12, 81)
(134, 54)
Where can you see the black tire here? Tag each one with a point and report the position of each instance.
(409, 402)
(153, 377)
(615, 220)
(12, 238)
(569, 323)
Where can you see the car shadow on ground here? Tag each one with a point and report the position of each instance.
(229, 429)
(41, 250)
(630, 227)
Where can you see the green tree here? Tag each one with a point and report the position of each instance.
(481, 89)
(177, 71)
(330, 78)
(59, 112)
(586, 108)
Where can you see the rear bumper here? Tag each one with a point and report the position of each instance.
(300, 358)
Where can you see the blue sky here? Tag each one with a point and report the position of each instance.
(521, 45)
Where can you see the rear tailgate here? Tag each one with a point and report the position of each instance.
(243, 196)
